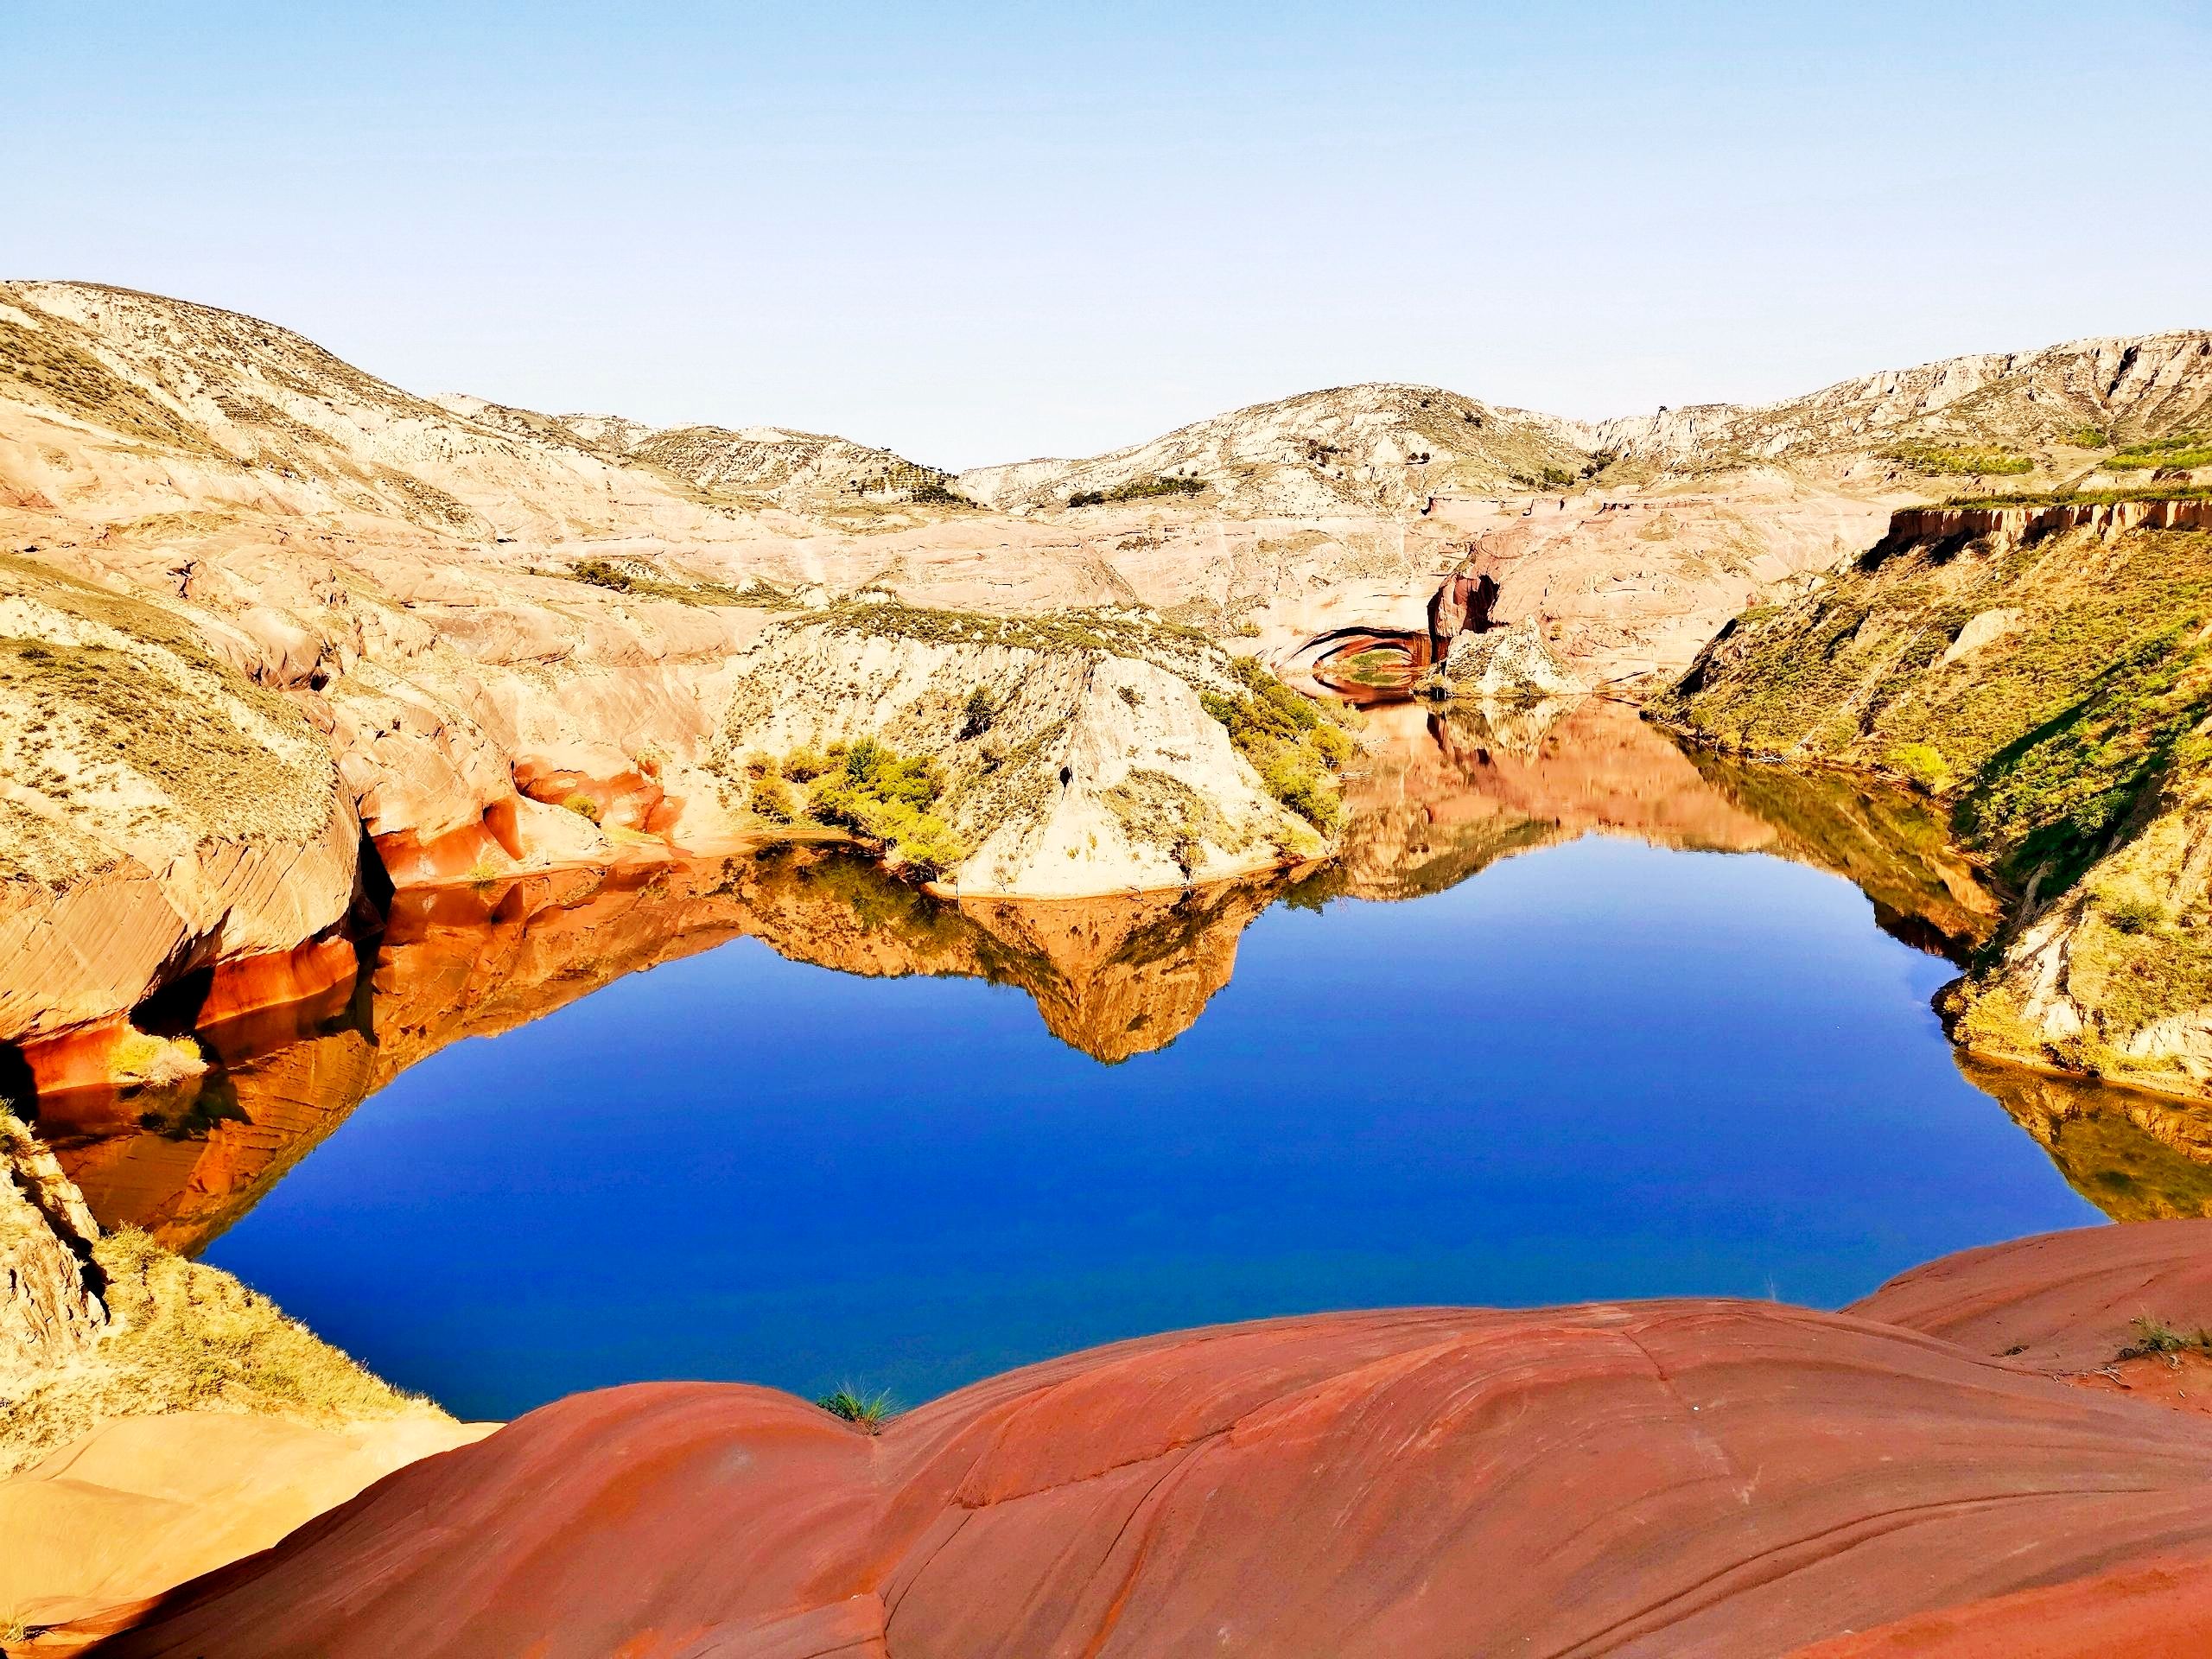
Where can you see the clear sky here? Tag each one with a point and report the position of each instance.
(985, 231)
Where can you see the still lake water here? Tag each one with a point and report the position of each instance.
(1601, 1069)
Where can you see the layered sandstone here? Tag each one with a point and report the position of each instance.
(159, 813)
(50, 1310)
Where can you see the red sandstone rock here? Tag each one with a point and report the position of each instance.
(282, 979)
(2063, 1302)
(2161, 1611)
(1664, 1478)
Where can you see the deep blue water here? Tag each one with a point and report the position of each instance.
(1602, 1070)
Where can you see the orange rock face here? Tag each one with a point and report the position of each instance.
(1708, 1478)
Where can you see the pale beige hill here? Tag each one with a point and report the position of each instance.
(755, 466)
(159, 811)
(2036, 417)
(155, 405)
(1368, 448)
(800, 470)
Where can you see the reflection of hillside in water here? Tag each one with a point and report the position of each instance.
(1114, 977)
(1445, 793)
(1452, 790)
(2137, 1157)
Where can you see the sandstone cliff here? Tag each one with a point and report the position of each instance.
(159, 813)
(2043, 671)
(51, 1312)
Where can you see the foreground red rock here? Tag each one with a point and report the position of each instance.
(2161, 1611)
(2060, 1302)
(1677, 1478)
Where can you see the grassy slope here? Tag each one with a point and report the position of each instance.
(189, 1337)
(2069, 749)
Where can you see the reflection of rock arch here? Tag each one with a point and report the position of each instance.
(1386, 654)
(1364, 661)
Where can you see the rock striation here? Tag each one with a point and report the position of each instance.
(50, 1310)
(1651, 1478)
(159, 813)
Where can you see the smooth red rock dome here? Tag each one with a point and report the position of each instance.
(1681, 1477)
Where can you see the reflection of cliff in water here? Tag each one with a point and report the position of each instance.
(1450, 790)
(2137, 1157)
(1443, 794)
(1893, 846)
(1114, 977)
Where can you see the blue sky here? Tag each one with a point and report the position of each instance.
(987, 231)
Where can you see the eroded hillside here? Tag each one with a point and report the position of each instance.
(1350, 449)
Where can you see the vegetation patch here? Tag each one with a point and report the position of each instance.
(2073, 752)
(45, 363)
(867, 788)
(2156, 1337)
(1940, 459)
(1137, 638)
(2084, 498)
(2183, 450)
(865, 1411)
(115, 713)
(645, 583)
(190, 1338)
(1296, 744)
(1156, 808)
(1140, 489)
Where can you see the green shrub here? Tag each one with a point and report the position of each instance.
(1292, 741)
(584, 806)
(144, 1056)
(772, 798)
(868, 1412)
(805, 765)
(937, 494)
(977, 713)
(2157, 1337)
(2133, 913)
(877, 792)
(1923, 763)
(1942, 458)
